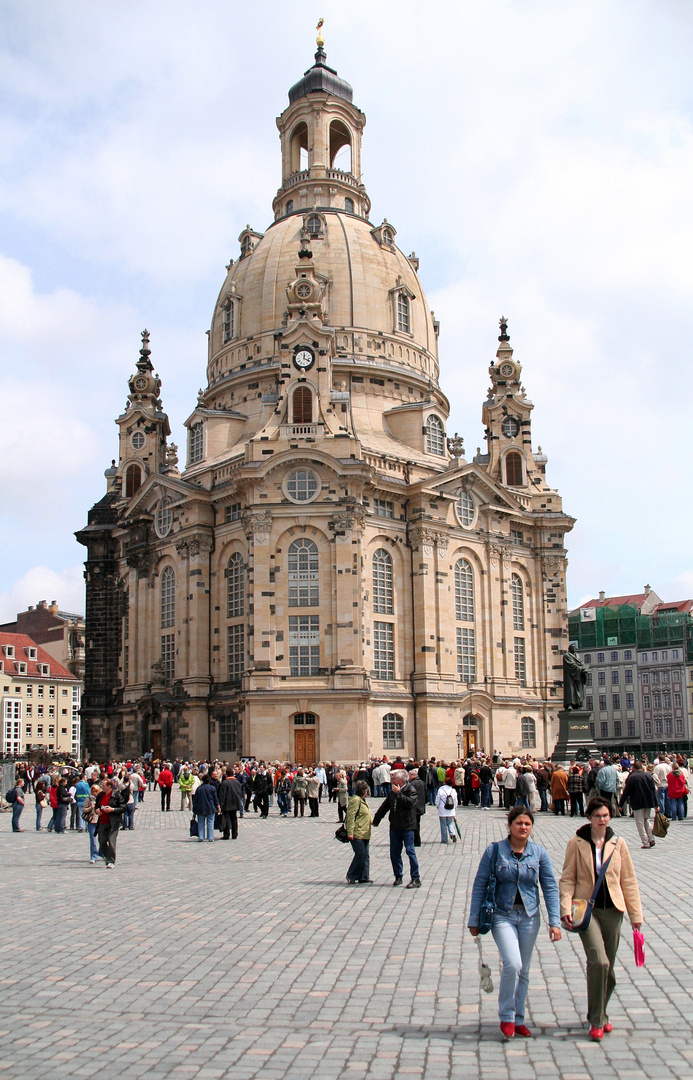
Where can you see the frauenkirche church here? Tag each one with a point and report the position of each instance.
(328, 577)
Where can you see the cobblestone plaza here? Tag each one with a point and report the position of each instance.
(254, 959)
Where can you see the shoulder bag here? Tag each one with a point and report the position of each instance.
(581, 910)
(488, 904)
(661, 825)
(341, 833)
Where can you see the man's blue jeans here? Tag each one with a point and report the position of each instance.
(485, 795)
(543, 797)
(397, 838)
(515, 935)
(663, 797)
(205, 823)
(60, 816)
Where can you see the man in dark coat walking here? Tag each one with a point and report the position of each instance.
(230, 796)
(401, 804)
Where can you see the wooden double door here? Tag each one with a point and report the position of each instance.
(304, 746)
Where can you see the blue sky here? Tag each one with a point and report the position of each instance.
(536, 155)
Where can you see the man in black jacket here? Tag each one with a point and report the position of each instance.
(230, 797)
(640, 789)
(401, 804)
(110, 804)
(262, 785)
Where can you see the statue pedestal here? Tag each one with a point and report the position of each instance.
(574, 735)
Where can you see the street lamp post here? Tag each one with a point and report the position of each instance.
(459, 745)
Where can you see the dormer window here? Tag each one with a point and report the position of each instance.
(514, 476)
(385, 235)
(246, 245)
(388, 238)
(196, 442)
(403, 312)
(314, 226)
(133, 480)
(44, 669)
(20, 667)
(435, 436)
(228, 321)
(9, 651)
(401, 297)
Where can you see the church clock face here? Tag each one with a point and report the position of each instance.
(507, 370)
(140, 383)
(304, 358)
(511, 427)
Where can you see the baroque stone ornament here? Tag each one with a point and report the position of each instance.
(425, 539)
(349, 519)
(257, 525)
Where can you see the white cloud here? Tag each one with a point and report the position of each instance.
(42, 583)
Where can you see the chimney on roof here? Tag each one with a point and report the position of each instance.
(647, 590)
(41, 603)
(602, 595)
(31, 607)
(54, 607)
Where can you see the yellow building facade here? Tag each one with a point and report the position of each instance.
(40, 700)
(329, 577)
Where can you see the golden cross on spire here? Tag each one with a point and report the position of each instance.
(320, 40)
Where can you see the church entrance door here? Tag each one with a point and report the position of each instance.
(305, 747)
(468, 743)
(156, 744)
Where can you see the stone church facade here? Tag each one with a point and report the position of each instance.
(328, 577)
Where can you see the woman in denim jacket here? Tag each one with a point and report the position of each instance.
(521, 867)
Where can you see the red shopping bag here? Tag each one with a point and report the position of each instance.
(639, 948)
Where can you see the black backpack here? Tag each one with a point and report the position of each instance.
(11, 795)
(449, 802)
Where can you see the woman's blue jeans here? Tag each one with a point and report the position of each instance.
(93, 848)
(447, 828)
(676, 807)
(360, 867)
(39, 814)
(129, 816)
(205, 823)
(515, 935)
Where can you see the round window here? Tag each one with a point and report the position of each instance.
(164, 519)
(302, 485)
(465, 509)
(138, 440)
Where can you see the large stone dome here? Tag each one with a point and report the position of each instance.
(363, 272)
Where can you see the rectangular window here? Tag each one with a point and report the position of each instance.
(28, 710)
(229, 728)
(588, 658)
(617, 729)
(168, 657)
(628, 655)
(589, 703)
(600, 657)
(51, 731)
(39, 691)
(646, 701)
(39, 710)
(601, 678)
(614, 678)
(643, 657)
(51, 692)
(12, 736)
(648, 728)
(658, 727)
(676, 675)
(382, 508)
(616, 701)
(27, 729)
(529, 732)
(592, 730)
(674, 654)
(665, 654)
(29, 690)
(384, 650)
(233, 513)
(51, 711)
(466, 654)
(630, 726)
(679, 726)
(614, 657)
(520, 661)
(604, 730)
(654, 656)
(236, 643)
(645, 676)
(39, 730)
(668, 726)
(304, 644)
(630, 701)
(677, 700)
(589, 678)
(393, 732)
(63, 692)
(602, 702)
(196, 443)
(517, 537)
(628, 675)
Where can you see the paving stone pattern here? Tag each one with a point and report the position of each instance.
(254, 959)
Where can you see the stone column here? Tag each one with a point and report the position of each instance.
(347, 528)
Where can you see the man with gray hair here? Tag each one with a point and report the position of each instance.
(401, 804)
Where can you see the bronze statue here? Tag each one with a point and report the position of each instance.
(574, 679)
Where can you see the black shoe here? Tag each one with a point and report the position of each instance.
(454, 839)
(397, 881)
(415, 883)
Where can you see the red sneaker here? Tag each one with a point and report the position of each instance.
(520, 1029)
(596, 1033)
(508, 1029)
(608, 1028)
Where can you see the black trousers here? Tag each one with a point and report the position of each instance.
(108, 835)
(299, 802)
(262, 803)
(314, 809)
(417, 830)
(165, 798)
(230, 824)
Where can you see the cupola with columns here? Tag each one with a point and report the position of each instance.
(143, 426)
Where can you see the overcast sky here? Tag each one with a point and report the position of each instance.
(536, 154)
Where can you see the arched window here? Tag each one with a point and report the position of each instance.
(302, 405)
(393, 731)
(235, 586)
(382, 582)
(464, 591)
(168, 597)
(513, 469)
(349, 205)
(304, 574)
(246, 245)
(228, 321)
(299, 148)
(435, 436)
(529, 732)
(133, 480)
(402, 306)
(340, 146)
(314, 225)
(518, 602)
(290, 206)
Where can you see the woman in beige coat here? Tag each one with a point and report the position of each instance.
(587, 851)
